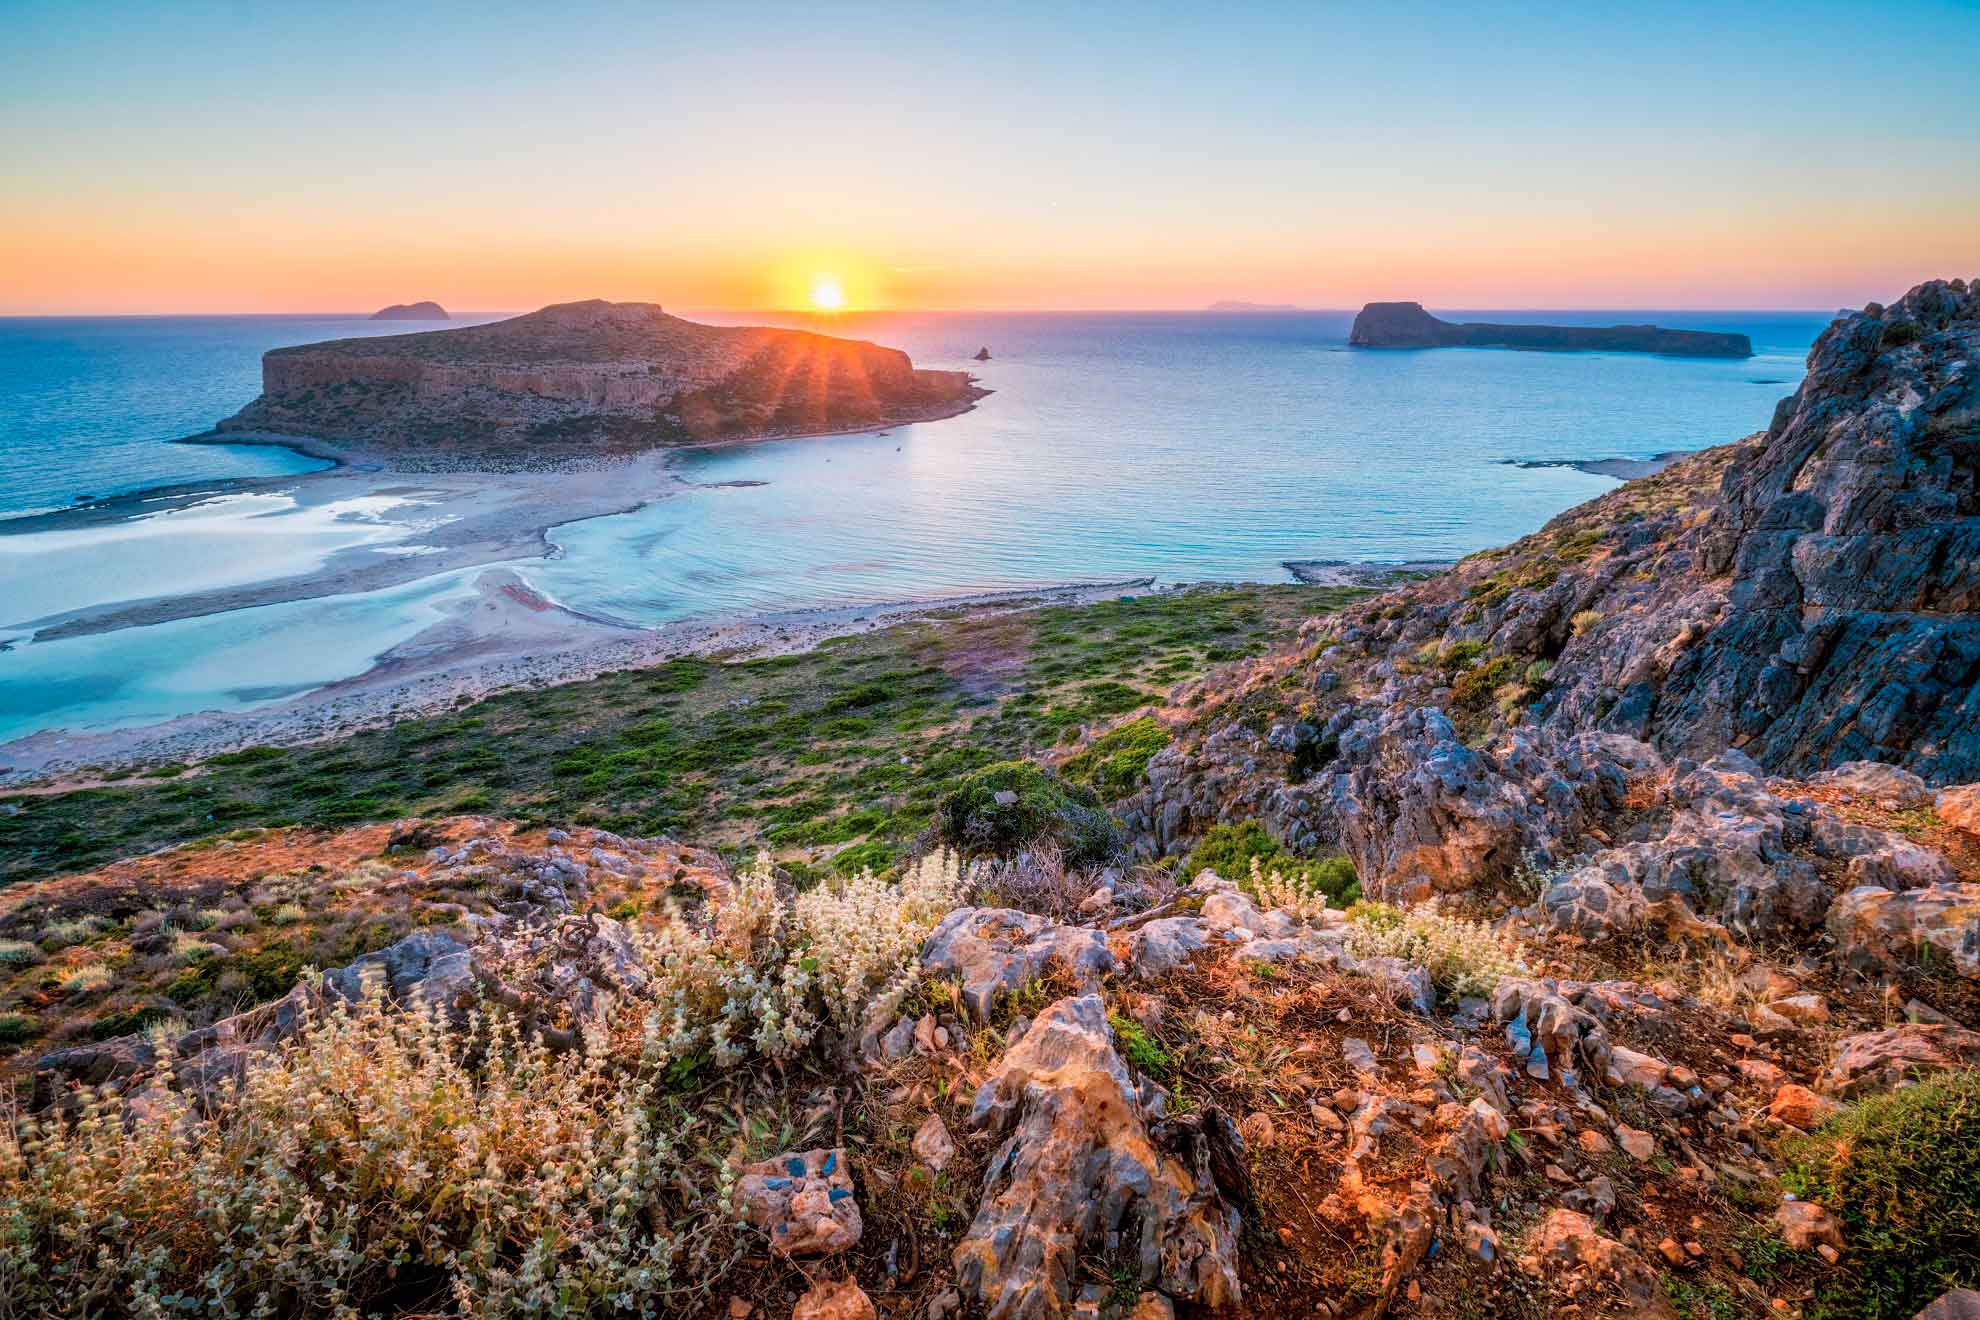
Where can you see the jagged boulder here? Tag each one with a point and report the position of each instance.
(994, 951)
(1080, 1163)
(1876, 929)
(1882, 1060)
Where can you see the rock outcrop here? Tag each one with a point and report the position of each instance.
(419, 311)
(1081, 1166)
(586, 379)
(1805, 599)
(1407, 325)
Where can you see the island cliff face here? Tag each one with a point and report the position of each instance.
(1798, 601)
(419, 311)
(587, 379)
(1407, 325)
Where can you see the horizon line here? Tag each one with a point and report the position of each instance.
(817, 314)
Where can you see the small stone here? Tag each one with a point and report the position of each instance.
(739, 1309)
(1798, 1107)
(1593, 1142)
(1359, 1056)
(1827, 1252)
(933, 1145)
(1328, 1120)
(840, 1299)
(1636, 1143)
(1258, 1130)
(1805, 1009)
(1671, 1251)
(1693, 1250)
(1761, 1073)
(1803, 1224)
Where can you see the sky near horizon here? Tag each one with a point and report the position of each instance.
(208, 157)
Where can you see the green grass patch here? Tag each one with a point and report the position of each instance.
(1902, 1173)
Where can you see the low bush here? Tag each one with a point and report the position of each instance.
(1014, 804)
(1462, 957)
(1115, 764)
(1253, 860)
(1902, 1173)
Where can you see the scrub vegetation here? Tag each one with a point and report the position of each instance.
(836, 759)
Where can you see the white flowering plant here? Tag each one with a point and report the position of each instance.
(1463, 957)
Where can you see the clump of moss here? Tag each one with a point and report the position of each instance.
(1142, 1051)
(1902, 1173)
(1229, 850)
(1116, 763)
(1014, 804)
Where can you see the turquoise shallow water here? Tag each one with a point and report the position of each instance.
(1179, 446)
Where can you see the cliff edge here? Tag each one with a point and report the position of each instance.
(1407, 325)
(586, 380)
(1798, 601)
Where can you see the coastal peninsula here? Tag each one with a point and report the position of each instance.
(1407, 325)
(583, 380)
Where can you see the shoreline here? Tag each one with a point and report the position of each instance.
(468, 516)
(495, 641)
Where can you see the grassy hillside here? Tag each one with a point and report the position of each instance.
(833, 757)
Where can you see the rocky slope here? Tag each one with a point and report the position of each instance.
(587, 379)
(1802, 599)
(1407, 325)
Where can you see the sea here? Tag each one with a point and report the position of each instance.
(1181, 447)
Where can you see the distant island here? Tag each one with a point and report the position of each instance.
(419, 311)
(1228, 305)
(1407, 325)
(584, 380)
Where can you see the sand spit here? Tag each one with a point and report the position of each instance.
(505, 637)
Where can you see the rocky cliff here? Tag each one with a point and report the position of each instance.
(1804, 598)
(587, 379)
(1407, 325)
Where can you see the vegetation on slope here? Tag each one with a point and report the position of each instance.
(837, 756)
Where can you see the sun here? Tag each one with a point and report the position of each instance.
(826, 295)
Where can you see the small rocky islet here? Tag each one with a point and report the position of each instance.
(1407, 325)
(1590, 928)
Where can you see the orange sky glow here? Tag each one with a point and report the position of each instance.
(1670, 156)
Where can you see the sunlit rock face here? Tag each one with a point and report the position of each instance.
(587, 379)
(1807, 598)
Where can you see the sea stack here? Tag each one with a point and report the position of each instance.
(586, 380)
(1407, 325)
(982, 354)
(419, 311)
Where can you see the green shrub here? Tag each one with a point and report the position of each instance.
(1116, 763)
(1014, 804)
(1902, 1173)
(1229, 850)
(16, 1028)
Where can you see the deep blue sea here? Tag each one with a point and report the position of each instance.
(1184, 446)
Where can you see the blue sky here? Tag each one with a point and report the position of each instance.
(247, 157)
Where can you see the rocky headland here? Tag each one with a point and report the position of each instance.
(1592, 928)
(584, 380)
(419, 311)
(1407, 325)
